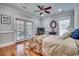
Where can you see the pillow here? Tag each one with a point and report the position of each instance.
(75, 34)
(66, 35)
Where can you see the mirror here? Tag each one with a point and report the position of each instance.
(53, 25)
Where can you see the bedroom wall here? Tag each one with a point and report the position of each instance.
(76, 16)
(46, 21)
(10, 28)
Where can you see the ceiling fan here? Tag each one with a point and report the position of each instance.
(42, 9)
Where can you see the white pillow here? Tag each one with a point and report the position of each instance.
(66, 35)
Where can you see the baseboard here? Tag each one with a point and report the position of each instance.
(6, 44)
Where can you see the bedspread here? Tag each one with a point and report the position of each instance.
(35, 43)
(52, 45)
(58, 47)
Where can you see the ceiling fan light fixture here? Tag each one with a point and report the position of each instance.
(42, 14)
(43, 10)
(24, 7)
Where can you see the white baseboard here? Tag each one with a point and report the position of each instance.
(6, 44)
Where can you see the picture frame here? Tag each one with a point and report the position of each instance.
(5, 19)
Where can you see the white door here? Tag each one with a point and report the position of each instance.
(29, 29)
(19, 29)
(24, 29)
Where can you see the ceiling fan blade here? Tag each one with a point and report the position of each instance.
(37, 11)
(39, 7)
(47, 12)
(48, 8)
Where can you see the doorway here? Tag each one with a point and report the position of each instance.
(24, 29)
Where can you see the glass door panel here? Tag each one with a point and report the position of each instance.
(29, 29)
(24, 29)
(20, 29)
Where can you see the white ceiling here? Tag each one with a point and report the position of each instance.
(31, 7)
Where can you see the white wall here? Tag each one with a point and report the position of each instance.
(46, 24)
(76, 16)
(46, 21)
(9, 37)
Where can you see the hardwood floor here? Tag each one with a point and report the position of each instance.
(8, 50)
(32, 53)
(17, 49)
(23, 51)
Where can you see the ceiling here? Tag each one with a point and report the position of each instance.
(31, 7)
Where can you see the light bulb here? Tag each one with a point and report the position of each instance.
(42, 15)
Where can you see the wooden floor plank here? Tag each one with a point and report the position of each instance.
(12, 50)
(32, 53)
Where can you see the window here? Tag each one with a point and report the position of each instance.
(63, 25)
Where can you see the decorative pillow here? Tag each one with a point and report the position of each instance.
(75, 34)
(66, 35)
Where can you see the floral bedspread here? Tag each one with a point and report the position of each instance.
(53, 45)
(35, 43)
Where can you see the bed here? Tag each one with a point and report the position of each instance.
(59, 47)
(53, 45)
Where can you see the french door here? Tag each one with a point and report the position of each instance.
(24, 29)
(19, 29)
(29, 31)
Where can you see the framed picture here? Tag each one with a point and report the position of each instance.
(5, 19)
